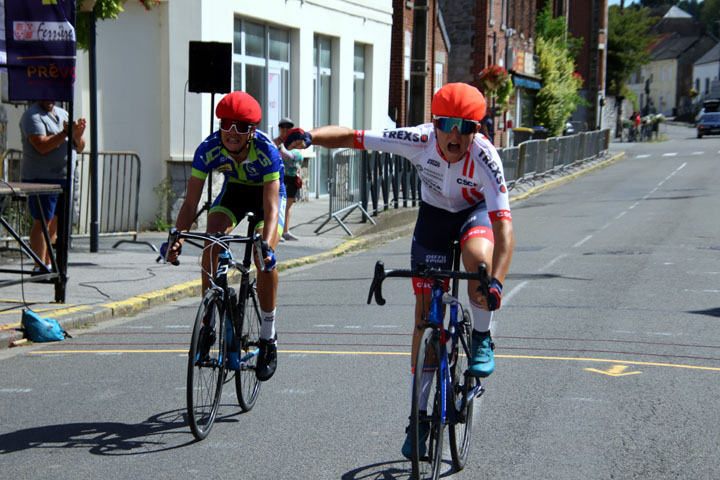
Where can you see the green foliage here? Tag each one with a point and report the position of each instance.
(710, 15)
(627, 44)
(556, 28)
(103, 9)
(558, 97)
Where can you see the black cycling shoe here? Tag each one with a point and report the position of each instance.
(267, 359)
(207, 339)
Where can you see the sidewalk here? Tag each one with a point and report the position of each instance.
(122, 281)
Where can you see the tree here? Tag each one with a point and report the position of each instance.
(627, 44)
(556, 50)
(710, 15)
(558, 97)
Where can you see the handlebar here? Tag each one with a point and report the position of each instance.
(430, 273)
(174, 235)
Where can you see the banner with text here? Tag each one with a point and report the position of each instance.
(40, 45)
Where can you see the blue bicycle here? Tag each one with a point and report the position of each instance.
(449, 349)
(226, 334)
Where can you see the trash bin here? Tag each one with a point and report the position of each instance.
(521, 134)
(539, 133)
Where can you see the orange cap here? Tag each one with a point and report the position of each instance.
(459, 100)
(239, 106)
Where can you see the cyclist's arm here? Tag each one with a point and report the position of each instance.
(189, 206)
(503, 250)
(271, 207)
(333, 136)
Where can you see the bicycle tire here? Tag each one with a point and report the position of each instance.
(462, 381)
(247, 385)
(205, 376)
(427, 467)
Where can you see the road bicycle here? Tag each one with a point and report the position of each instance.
(226, 335)
(449, 349)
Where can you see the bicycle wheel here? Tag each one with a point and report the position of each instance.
(428, 465)
(206, 365)
(463, 382)
(247, 385)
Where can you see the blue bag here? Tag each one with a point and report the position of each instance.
(39, 329)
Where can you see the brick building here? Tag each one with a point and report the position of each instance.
(418, 60)
(495, 32)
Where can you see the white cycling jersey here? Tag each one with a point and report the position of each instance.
(450, 186)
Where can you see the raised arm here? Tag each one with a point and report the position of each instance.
(330, 136)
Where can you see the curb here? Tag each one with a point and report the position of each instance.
(80, 316)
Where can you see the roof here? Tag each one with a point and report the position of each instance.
(712, 55)
(673, 46)
(676, 12)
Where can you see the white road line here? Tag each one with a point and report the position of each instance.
(670, 154)
(620, 215)
(582, 241)
(698, 153)
(552, 262)
(645, 155)
(514, 291)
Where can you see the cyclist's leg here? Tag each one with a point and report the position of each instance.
(267, 295)
(219, 220)
(476, 242)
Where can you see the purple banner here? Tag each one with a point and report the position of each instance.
(40, 42)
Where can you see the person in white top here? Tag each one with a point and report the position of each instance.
(464, 197)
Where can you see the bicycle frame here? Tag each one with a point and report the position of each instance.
(435, 320)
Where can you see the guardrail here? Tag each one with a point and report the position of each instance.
(119, 190)
(377, 181)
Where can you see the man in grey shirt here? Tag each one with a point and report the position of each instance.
(44, 129)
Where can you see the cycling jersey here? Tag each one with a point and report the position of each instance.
(450, 186)
(263, 163)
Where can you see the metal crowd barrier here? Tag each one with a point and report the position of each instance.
(119, 190)
(377, 181)
(344, 186)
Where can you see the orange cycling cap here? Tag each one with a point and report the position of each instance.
(239, 106)
(459, 100)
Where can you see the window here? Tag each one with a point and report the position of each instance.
(359, 87)
(261, 67)
(322, 80)
(438, 77)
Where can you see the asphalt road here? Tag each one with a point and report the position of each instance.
(608, 358)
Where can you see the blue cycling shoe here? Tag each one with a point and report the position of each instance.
(482, 362)
(424, 434)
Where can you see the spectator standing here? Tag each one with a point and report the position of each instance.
(488, 127)
(292, 160)
(44, 130)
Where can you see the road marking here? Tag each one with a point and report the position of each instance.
(343, 352)
(698, 153)
(582, 241)
(552, 262)
(614, 371)
(670, 154)
(644, 155)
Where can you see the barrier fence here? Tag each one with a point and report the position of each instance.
(118, 203)
(377, 181)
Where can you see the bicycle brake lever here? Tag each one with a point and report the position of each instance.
(376, 285)
(484, 287)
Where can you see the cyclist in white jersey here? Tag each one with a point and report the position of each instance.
(464, 197)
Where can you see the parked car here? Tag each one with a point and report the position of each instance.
(709, 125)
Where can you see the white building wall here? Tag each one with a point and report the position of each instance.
(142, 70)
(704, 72)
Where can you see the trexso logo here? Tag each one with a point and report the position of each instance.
(405, 135)
(495, 169)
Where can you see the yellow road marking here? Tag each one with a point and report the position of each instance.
(614, 371)
(349, 352)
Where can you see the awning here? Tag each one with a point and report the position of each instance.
(524, 82)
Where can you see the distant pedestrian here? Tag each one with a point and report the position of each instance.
(292, 160)
(44, 131)
(487, 127)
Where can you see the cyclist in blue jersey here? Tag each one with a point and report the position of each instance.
(464, 197)
(254, 173)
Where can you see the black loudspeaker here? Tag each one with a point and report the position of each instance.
(209, 67)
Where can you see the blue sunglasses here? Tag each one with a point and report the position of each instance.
(465, 127)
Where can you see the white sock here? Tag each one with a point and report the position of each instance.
(267, 328)
(481, 317)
